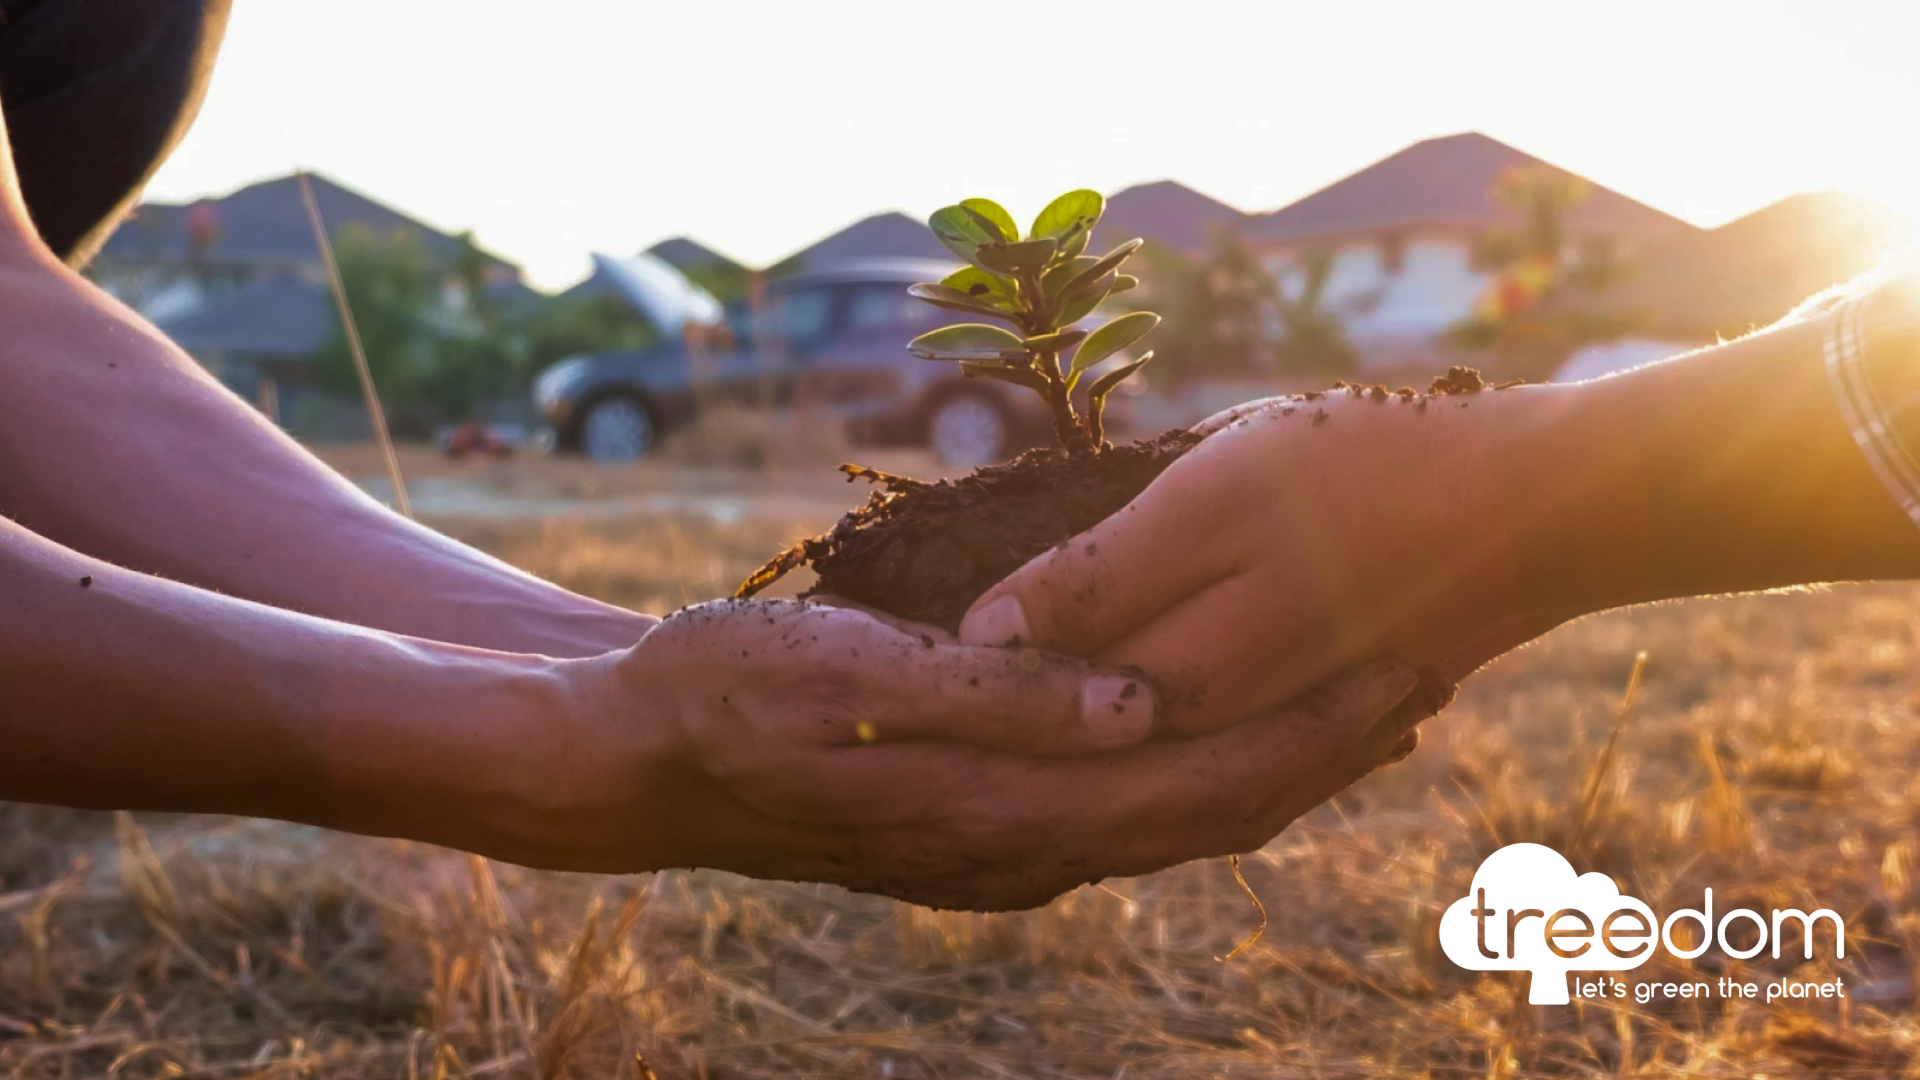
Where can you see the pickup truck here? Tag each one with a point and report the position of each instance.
(831, 341)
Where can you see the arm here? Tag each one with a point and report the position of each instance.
(116, 443)
(772, 739)
(1446, 531)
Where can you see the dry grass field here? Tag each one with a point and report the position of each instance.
(1771, 755)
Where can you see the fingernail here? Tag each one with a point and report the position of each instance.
(1001, 622)
(1116, 709)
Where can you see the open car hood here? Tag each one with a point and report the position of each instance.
(659, 292)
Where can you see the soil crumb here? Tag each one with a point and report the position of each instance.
(925, 551)
(1458, 380)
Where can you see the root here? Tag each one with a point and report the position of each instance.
(775, 569)
(890, 481)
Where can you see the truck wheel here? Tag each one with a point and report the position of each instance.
(616, 428)
(968, 430)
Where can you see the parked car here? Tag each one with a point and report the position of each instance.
(832, 340)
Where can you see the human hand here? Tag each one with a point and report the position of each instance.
(1301, 538)
(809, 742)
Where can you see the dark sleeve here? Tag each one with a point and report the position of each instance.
(95, 94)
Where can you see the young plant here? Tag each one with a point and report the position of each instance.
(1041, 284)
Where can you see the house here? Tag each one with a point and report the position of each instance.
(1167, 213)
(1401, 236)
(238, 281)
(886, 235)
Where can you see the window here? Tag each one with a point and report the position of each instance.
(885, 307)
(800, 317)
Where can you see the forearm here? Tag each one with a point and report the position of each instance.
(118, 445)
(119, 690)
(1727, 470)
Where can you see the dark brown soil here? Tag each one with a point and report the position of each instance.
(926, 551)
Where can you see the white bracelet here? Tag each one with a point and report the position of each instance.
(1860, 407)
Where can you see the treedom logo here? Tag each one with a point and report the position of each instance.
(1529, 911)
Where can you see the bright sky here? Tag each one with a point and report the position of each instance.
(567, 126)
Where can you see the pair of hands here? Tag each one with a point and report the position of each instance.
(808, 741)
(821, 743)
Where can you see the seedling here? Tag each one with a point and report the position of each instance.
(923, 551)
(1041, 284)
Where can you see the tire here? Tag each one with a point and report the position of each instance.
(618, 427)
(967, 430)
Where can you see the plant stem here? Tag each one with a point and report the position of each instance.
(1066, 424)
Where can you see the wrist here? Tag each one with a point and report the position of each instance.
(1727, 470)
(447, 749)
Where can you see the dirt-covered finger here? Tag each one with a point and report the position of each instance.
(1019, 700)
(1171, 801)
(1096, 588)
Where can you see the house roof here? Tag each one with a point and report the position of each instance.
(265, 224)
(280, 316)
(1753, 270)
(892, 234)
(1447, 181)
(685, 253)
(1166, 212)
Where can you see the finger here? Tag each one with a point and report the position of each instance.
(1226, 652)
(1175, 800)
(1390, 739)
(1092, 590)
(1018, 700)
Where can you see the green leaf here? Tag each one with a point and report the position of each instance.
(1070, 216)
(952, 299)
(956, 227)
(1019, 376)
(996, 215)
(1123, 282)
(1112, 337)
(1024, 257)
(1056, 342)
(1060, 273)
(1097, 393)
(968, 341)
(1086, 279)
(1079, 308)
(980, 285)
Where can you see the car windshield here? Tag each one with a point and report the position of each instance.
(797, 317)
(877, 306)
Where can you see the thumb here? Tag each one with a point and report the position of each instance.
(1095, 589)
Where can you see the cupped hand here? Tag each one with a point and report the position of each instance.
(818, 743)
(1300, 538)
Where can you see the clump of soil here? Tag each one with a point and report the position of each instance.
(925, 551)
(1458, 380)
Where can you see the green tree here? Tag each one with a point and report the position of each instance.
(1313, 340)
(1218, 310)
(438, 343)
(1542, 305)
(393, 291)
(569, 326)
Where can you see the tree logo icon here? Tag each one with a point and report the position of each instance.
(1529, 911)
